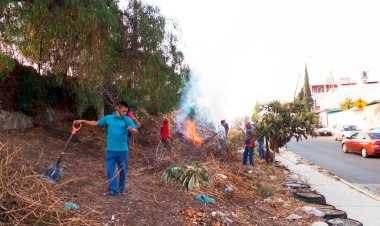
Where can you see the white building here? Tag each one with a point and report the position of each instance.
(328, 96)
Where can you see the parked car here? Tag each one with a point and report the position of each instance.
(365, 143)
(344, 131)
(377, 129)
(323, 131)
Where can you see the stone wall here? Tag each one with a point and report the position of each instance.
(50, 115)
(16, 120)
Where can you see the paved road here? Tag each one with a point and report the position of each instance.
(328, 154)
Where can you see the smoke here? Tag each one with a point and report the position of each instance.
(199, 102)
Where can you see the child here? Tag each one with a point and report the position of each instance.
(165, 134)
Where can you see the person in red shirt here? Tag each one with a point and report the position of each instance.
(132, 116)
(165, 134)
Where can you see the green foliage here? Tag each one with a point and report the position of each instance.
(256, 113)
(31, 93)
(188, 176)
(300, 97)
(235, 139)
(308, 100)
(7, 65)
(132, 53)
(346, 104)
(265, 192)
(283, 121)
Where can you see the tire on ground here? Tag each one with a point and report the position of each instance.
(333, 213)
(296, 185)
(344, 222)
(364, 153)
(324, 206)
(344, 147)
(310, 197)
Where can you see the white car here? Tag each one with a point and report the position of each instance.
(345, 131)
(374, 129)
(324, 131)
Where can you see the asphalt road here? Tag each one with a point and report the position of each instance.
(328, 154)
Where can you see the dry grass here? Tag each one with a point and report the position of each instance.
(26, 199)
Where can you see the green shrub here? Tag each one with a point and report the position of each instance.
(265, 192)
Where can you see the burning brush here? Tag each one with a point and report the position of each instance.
(196, 133)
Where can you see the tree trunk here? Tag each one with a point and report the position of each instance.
(100, 110)
(274, 146)
(40, 56)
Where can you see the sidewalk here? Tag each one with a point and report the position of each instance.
(359, 204)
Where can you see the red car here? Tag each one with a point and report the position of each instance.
(365, 143)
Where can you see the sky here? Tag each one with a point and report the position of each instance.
(247, 51)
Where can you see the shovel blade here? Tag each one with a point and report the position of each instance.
(52, 173)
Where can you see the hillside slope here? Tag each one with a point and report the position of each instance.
(256, 199)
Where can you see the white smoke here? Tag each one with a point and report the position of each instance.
(200, 102)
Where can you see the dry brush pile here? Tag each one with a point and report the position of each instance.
(27, 199)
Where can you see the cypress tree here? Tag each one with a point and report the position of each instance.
(308, 100)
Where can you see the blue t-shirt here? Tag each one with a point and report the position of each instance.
(117, 132)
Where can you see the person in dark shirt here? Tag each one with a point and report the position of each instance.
(249, 145)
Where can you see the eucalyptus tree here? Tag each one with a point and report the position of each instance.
(155, 65)
(79, 39)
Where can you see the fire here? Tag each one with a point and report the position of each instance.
(191, 132)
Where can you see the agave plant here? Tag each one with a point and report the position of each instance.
(171, 173)
(188, 176)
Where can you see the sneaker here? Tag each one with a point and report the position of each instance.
(111, 193)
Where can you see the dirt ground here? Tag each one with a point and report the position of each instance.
(257, 198)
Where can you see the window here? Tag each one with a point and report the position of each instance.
(350, 128)
(361, 136)
(354, 136)
(374, 135)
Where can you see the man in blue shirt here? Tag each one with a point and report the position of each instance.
(118, 126)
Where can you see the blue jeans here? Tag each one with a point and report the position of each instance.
(121, 159)
(222, 144)
(248, 152)
(261, 149)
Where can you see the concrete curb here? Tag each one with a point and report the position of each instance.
(328, 173)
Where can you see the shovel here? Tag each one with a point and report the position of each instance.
(52, 173)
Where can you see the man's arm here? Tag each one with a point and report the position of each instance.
(86, 122)
(136, 121)
(133, 130)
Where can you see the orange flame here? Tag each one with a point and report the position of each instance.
(191, 132)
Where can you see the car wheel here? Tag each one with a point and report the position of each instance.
(344, 147)
(364, 153)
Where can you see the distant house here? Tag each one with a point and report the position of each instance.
(329, 96)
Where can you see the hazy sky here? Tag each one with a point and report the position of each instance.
(245, 51)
